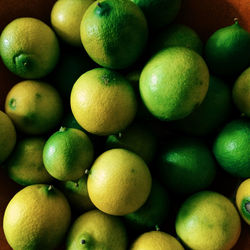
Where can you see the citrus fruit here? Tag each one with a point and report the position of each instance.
(177, 35)
(156, 240)
(208, 220)
(29, 48)
(103, 102)
(119, 182)
(186, 165)
(154, 211)
(159, 13)
(114, 33)
(66, 17)
(227, 45)
(213, 111)
(35, 107)
(243, 200)
(67, 154)
(174, 82)
(77, 194)
(37, 217)
(241, 92)
(97, 230)
(7, 136)
(231, 148)
(25, 165)
(136, 138)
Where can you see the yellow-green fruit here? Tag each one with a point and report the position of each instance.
(174, 83)
(66, 17)
(241, 92)
(7, 136)
(103, 102)
(36, 218)
(119, 182)
(114, 33)
(156, 240)
(29, 48)
(77, 194)
(208, 220)
(243, 200)
(35, 107)
(25, 165)
(67, 154)
(98, 231)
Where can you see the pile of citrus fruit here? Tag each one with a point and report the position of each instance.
(122, 127)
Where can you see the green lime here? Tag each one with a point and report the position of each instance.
(114, 33)
(37, 217)
(241, 92)
(174, 82)
(67, 154)
(227, 51)
(213, 111)
(208, 220)
(29, 48)
(25, 165)
(177, 35)
(186, 165)
(231, 148)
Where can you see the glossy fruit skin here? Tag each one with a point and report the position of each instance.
(231, 148)
(227, 51)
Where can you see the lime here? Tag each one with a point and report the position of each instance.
(208, 220)
(103, 102)
(37, 217)
(231, 148)
(7, 136)
(29, 48)
(35, 107)
(119, 182)
(186, 165)
(241, 92)
(114, 33)
(66, 17)
(174, 82)
(67, 154)
(25, 165)
(227, 51)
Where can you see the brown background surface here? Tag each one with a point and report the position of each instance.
(204, 16)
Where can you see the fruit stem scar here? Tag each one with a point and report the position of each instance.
(236, 20)
(248, 207)
(83, 242)
(157, 228)
(62, 129)
(12, 103)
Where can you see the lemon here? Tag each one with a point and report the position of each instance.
(25, 165)
(66, 17)
(227, 50)
(243, 200)
(77, 194)
(136, 138)
(29, 48)
(154, 211)
(97, 230)
(156, 240)
(37, 217)
(177, 35)
(103, 102)
(231, 148)
(114, 33)
(174, 82)
(7, 136)
(241, 92)
(119, 182)
(212, 113)
(35, 107)
(208, 220)
(186, 165)
(67, 154)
